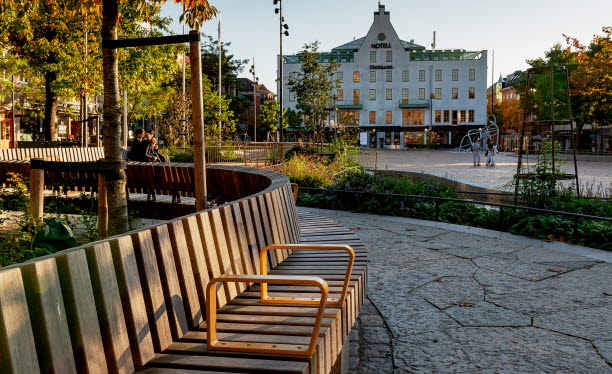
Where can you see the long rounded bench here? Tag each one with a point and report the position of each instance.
(237, 288)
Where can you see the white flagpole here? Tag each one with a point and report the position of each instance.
(220, 52)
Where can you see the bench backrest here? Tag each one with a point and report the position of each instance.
(55, 154)
(108, 306)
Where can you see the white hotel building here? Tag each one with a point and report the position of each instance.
(401, 94)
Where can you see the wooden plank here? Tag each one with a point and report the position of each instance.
(110, 311)
(46, 305)
(139, 328)
(210, 254)
(222, 250)
(220, 363)
(251, 237)
(195, 313)
(80, 305)
(170, 281)
(231, 239)
(271, 234)
(17, 347)
(240, 227)
(196, 250)
(152, 289)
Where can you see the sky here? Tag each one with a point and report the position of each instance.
(515, 30)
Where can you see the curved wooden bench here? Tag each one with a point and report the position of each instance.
(142, 301)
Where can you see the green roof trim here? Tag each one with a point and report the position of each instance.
(444, 55)
(341, 56)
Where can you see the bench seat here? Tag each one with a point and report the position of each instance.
(148, 301)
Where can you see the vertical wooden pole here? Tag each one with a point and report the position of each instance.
(199, 161)
(102, 208)
(37, 186)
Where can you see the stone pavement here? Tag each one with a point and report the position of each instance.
(454, 299)
(594, 175)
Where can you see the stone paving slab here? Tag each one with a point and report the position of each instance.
(451, 299)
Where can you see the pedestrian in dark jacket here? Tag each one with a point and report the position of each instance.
(140, 147)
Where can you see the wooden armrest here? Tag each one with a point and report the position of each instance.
(320, 247)
(284, 349)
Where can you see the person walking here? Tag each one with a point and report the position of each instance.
(491, 149)
(476, 149)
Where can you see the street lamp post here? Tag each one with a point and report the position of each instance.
(255, 86)
(283, 31)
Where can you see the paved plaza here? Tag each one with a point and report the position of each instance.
(594, 175)
(455, 299)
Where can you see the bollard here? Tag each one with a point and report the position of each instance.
(102, 208)
(37, 187)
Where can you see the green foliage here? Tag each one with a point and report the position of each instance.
(292, 119)
(269, 115)
(366, 186)
(309, 170)
(314, 85)
(300, 150)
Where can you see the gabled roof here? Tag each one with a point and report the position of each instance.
(354, 45)
(357, 43)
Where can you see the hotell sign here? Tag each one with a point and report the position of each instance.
(381, 45)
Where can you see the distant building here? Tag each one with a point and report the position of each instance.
(400, 94)
(245, 89)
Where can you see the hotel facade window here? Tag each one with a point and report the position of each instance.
(356, 96)
(421, 94)
(388, 117)
(446, 116)
(372, 57)
(421, 75)
(389, 56)
(340, 94)
(372, 117)
(405, 96)
(455, 92)
(438, 93)
(389, 76)
(471, 115)
(455, 75)
(438, 75)
(372, 94)
(356, 77)
(292, 96)
(372, 76)
(438, 116)
(463, 119)
(472, 93)
(405, 76)
(389, 94)
(472, 74)
(340, 77)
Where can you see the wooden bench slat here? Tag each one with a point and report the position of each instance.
(16, 335)
(46, 307)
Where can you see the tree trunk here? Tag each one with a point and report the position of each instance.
(50, 107)
(112, 129)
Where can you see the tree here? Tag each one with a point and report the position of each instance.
(591, 80)
(314, 85)
(48, 35)
(548, 97)
(217, 110)
(195, 12)
(293, 119)
(230, 67)
(509, 115)
(268, 116)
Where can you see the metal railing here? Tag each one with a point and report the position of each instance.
(262, 154)
(576, 217)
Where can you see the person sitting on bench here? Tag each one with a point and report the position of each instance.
(140, 147)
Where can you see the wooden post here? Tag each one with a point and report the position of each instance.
(37, 186)
(102, 208)
(199, 161)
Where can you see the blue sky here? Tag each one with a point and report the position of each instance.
(515, 30)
